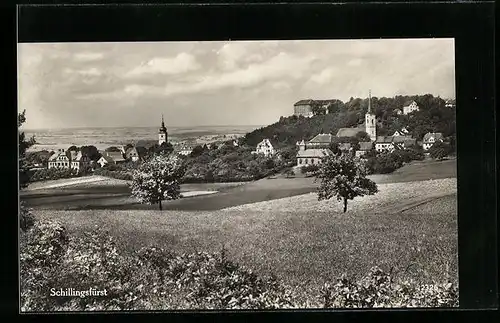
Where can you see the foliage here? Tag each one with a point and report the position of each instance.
(309, 169)
(157, 179)
(344, 177)
(91, 152)
(118, 174)
(232, 164)
(24, 144)
(387, 162)
(153, 278)
(377, 289)
(54, 173)
(113, 149)
(289, 172)
(26, 218)
(38, 157)
(440, 150)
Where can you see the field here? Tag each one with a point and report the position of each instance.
(409, 227)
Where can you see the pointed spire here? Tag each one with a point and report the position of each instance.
(369, 101)
(162, 123)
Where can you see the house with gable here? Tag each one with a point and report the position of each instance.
(60, 159)
(135, 153)
(410, 106)
(265, 147)
(105, 160)
(430, 139)
(80, 161)
(402, 132)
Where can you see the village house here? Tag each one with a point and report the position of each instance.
(402, 132)
(80, 161)
(322, 140)
(312, 156)
(389, 143)
(135, 153)
(59, 160)
(410, 107)
(105, 160)
(303, 108)
(185, 151)
(364, 147)
(384, 143)
(265, 147)
(117, 157)
(430, 139)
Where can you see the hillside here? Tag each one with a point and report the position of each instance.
(433, 116)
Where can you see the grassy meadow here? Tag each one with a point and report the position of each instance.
(302, 246)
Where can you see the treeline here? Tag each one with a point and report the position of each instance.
(230, 163)
(433, 116)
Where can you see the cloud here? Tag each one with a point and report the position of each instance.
(279, 68)
(85, 72)
(179, 64)
(323, 77)
(355, 62)
(88, 56)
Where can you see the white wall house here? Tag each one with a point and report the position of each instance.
(265, 147)
(384, 143)
(104, 160)
(59, 160)
(311, 156)
(410, 107)
(430, 139)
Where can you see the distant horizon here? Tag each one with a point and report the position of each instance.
(155, 126)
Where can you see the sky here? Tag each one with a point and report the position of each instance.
(73, 85)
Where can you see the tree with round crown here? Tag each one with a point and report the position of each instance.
(344, 177)
(158, 179)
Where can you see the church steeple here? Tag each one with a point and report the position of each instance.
(370, 124)
(369, 101)
(162, 133)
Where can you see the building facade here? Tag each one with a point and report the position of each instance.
(59, 160)
(306, 157)
(265, 147)
(410, 107)
(303, 108)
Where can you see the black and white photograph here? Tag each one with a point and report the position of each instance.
(236, 175)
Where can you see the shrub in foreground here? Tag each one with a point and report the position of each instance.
(155, 279)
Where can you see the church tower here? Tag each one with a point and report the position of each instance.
(162, 133)
(370, 122)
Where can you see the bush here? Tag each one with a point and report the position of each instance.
(156, 279)
(119, 174)
(54, 173)
(309, 169)
(26, 218)
(377, 289)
